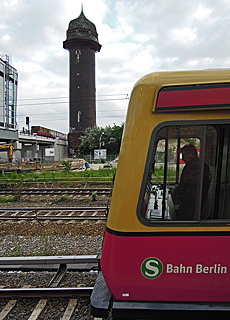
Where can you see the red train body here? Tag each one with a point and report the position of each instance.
(166, 243)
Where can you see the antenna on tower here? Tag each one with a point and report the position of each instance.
(82, 8)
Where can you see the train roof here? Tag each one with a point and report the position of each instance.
(170, 78)
(171, 91)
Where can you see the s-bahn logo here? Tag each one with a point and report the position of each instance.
(151, 268)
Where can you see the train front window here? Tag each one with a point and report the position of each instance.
(188, 175)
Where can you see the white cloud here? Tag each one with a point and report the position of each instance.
(11, 4)
(29, 67)
(141, 38)
(137, 37)
(6, 37)
(184, 35)
(39, 56)
(202, 12)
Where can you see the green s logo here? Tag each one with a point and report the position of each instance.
(151, 268)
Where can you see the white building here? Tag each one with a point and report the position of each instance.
(25, 146)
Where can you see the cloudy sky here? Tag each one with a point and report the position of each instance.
(137, 37)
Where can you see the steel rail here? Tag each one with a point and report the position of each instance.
(59, 275)
(32, 217)
(54, 208)
(95, 180)
(44, 260)
(58, 189)
(59, 264)
(46, 292)
(99, 191)
(44, 213)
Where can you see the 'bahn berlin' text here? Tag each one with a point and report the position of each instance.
(199, 268)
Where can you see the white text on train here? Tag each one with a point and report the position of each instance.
(199, 268)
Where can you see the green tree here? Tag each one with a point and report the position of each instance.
(110, 138)
(90, 139)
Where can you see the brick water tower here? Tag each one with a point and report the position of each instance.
(82, 43)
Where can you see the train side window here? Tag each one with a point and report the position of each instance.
(221, 203)
(188, 176)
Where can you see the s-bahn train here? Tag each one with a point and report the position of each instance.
(167, 241)
(45, 132)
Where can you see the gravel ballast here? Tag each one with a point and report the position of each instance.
(30, 238)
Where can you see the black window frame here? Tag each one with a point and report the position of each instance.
(151, 153)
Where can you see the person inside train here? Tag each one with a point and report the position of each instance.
(186, 194)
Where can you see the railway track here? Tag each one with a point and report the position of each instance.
(15, 295)
(72, 300)
(56, 191)
(54, 213)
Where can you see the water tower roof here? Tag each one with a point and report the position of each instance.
(82, 29)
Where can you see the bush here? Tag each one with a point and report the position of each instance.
(67, 165)
(94, 196)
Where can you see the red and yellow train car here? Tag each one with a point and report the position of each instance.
(45, 132)
(167, 239)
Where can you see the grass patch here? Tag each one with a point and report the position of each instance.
(62, 199)
(9, 179)
(10, 199)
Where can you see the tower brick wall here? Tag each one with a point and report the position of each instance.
(82, 44)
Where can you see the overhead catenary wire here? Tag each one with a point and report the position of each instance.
(60, 102)
(61, 113)
(67, 97)
(77, 100)
(117, 97)
(61, 119)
